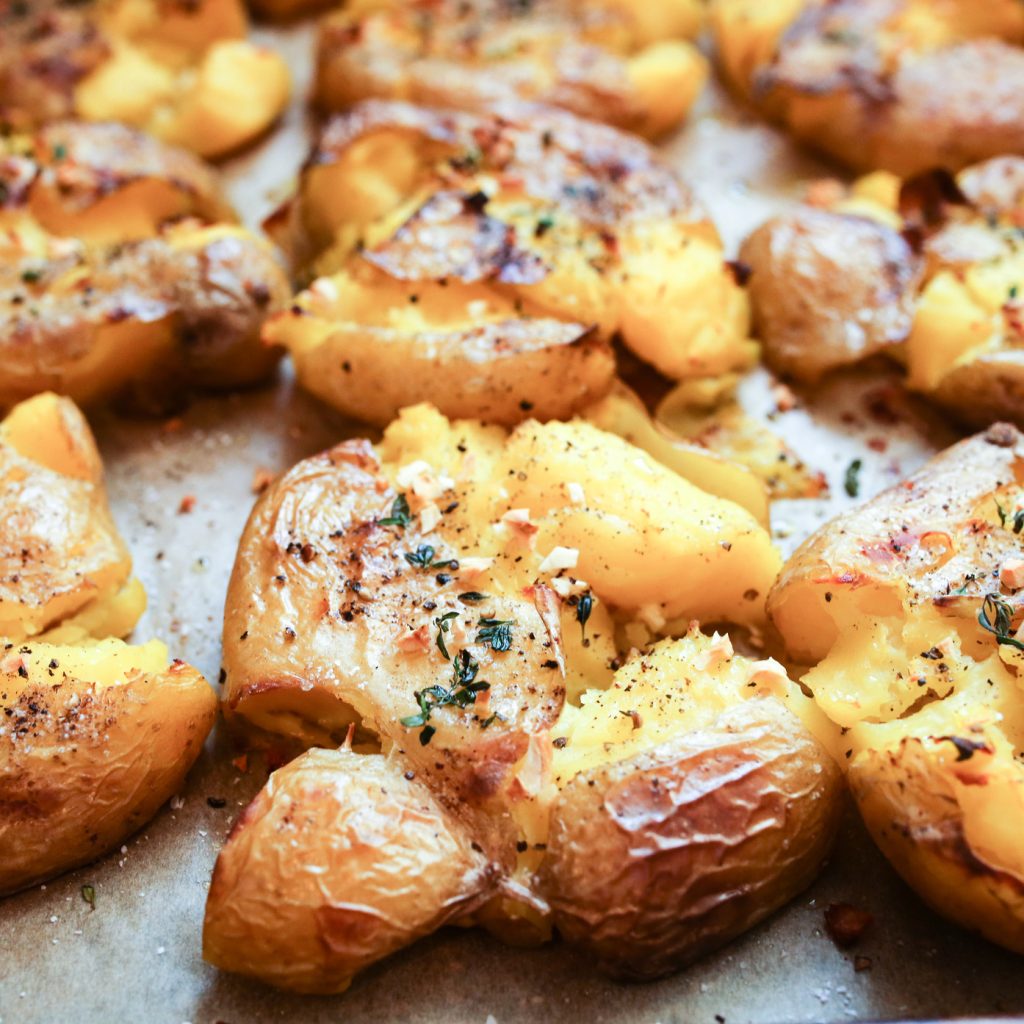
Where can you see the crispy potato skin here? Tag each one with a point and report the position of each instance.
(828, 289)
(183, 72)
(104, 287)
(338, 862)
(902, 86)
(598, 60)
(890, 602)
(85, 763)
(658, 859)
(59, 548)
(504, 250)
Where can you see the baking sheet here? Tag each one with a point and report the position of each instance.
(136, 955)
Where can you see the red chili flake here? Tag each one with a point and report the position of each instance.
(846, 924)
(187, 504)
(878, 444)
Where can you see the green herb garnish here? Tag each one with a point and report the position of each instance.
(584, 607)
(496, 632)
(89, 895)
(400, 515)
(421, 557)
(461, 694)
(851, 482)
(443, 622)
(472, 597)
(996, 616)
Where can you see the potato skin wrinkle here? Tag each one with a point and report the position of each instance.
(904, 611)
(183, 72)
(648, 796)
(606, 60)
(928, 271)
(484, 262)
(94, 734)
(897, 85)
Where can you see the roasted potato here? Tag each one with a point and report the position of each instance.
(901, 85)
(609, 60)
(444, 528)
(182, 71)
(94, 735)
(105, 286)
(930, 273)
(482, 262)
(907, 608)
(649, 824)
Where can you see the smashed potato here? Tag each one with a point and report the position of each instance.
(930, 273)
(901, 85)
(104, 285)
(608, 60)
(483, 262)
(908, 609)
(182, 71)
(94, 734)
(650, 823)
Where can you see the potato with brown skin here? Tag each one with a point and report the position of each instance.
(608, 60)
(502, 251)
(928, 271)
(95, 739)
(100, 292)
(94, 735)
(341, 859)
(901, 85)
(181, 71)
(908, 609)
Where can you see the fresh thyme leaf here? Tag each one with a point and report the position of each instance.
(400, 515)
(996, 616)
(464, 690)
(851, 482)
(1018, 521)
(584, 607)
(496, 632)
(89, 895)
(31, 276)
(442, 623)
(489, 720)
(421, 557)
(60, 151)
(472, 597)
(1002, 513)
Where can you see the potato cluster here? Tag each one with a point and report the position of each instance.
(95, 735)
(899, 85)
(185, 72)
(464, 609)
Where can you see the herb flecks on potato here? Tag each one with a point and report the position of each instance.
(117, 275)
(483, 263)
(628, 64)
(184, 72)
(909, 609)
(902, 85)
(94, 735)
(929, 271)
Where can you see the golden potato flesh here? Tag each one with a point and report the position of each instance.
(610, 61)
(904, 86)
(483, 261)
(454, 555)
(342, 859)
(94, 739)
(94, 735)
(652, 822)
(908, 609)
(104, 285)
(930, 272)
(184, 72)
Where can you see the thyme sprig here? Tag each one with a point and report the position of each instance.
(401, 515)
(461, 693)
(996, 616)
(496, 632)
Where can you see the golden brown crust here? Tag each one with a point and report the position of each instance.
(656, 860)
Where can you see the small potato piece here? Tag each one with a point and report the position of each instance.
(904, 86)
(491, 245)
(176, 70)
(95, 739)
(827, 290)
(609, 61)
(338, 862)
(656, 860)
(60, 553)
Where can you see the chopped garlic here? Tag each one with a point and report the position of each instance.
(474, 565)
(560, 558)
(768, 673)
(325, 288)
(576, 493)
(430, 516)
(1011, 575)
(566, 586)
(423, 480)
